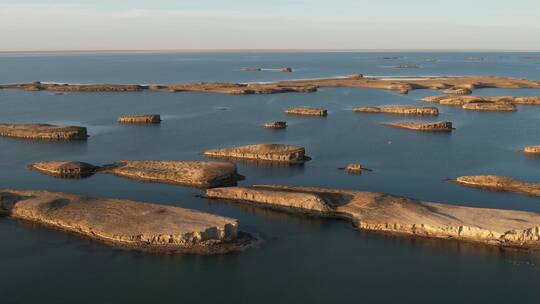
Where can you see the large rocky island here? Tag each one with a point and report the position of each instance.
(453, 85)
(440, 126)
(403, 110)
(262, 152)
(126, 224)
(499, 183)
(393, 214)
(43, 131)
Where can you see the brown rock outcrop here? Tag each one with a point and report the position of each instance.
(276, 125)
(441, 126)
(43, 131)
(532, 149)
(404, 110)
(144, 118)
(393, 214)
(127, 224)
(458, 91)
(203, 174)
(73, 169)
(307, 111)
(264, 152)
(461, 100)
(490, 106)
(499, 183)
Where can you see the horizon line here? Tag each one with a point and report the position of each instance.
(254, 50)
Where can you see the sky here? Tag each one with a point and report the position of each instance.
(47, 25)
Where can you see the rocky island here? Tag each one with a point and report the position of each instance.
(126, 224)
(264, 152)
(441, 126)
(490, 106)
(457, 84)
(70, 169)
(532, 150)
(144, 119)
(306, 111)
(461, 100)
(276, 125)
(43, 131)
(404, 110)
(393, 214)
(499, 183)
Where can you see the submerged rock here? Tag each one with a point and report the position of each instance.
(144, 118)
(188, 173)
(394, 214)
(405, 110)
(265, 152)
(124, 223)
(490, 106)
(43, 131)
(444, 126)
(70, 169)
(458, 91)
(276, 125)
(308, 111)
(499, 183)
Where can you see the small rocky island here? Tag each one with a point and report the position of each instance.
(499, 183)
(532, 150)
(462, 100)
(306, 111)
(140, 119)
(43, 131)
(458, 91)
(69, 169)
(404, 110)
(276, 125)
(126, 224)
(490, 106)
(440, 126)
(393, 214)
(263, 152)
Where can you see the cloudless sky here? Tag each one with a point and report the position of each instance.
(271, 24)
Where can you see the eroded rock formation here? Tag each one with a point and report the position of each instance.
(264, 152)
(394, 214)
(43, 131)
(441, 126)
(458, 91)
(532, 149)
(144, 118)
(124, 223)
(71, 169)
(306, 111)
(405, 110)
(461, 100)
(276, 125)
(490, 106)
(499, 183)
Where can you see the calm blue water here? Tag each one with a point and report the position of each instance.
(301, 259)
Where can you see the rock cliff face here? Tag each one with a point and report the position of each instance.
(264, 152)
(394, 214)
(490, 106)
(499, 183)
(203, 174)
(65, 169)
(145, 118)
(441, 126)
(123, 223)
(404, 110)
(43, 131)
(307, 111)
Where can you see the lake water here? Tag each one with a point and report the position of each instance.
(302, 260)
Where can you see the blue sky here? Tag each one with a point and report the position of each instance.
(280, 24)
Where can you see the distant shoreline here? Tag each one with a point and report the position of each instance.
(172, 51)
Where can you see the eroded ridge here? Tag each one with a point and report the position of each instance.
(264, 152)
(43, 131)
(124, 223)
(403, 110)
(499, 183)
(388, 213)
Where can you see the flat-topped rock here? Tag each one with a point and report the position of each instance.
(124, 223)
(276, 125)
(458, 91)
(404, 110)
(264, 152)
(499, 183)
(440, 126)
(308, 111)
(532, 149)
(387, 213)
(490, 106)
(71, 169)
(43, 131)
(461, 100)
(143, 118)
(188, 173)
